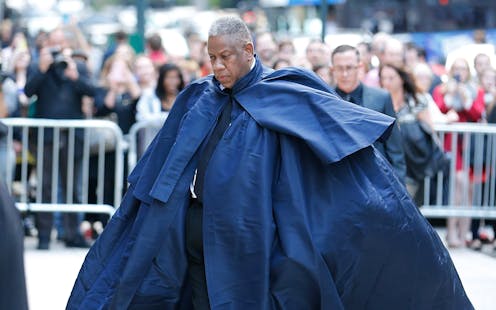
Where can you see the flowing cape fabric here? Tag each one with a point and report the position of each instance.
(300, 211)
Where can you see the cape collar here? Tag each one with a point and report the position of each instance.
(196, 125)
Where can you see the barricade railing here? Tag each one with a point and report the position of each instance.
(469, 189)
(77, 152)
(140, 136)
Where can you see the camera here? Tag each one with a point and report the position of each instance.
(457, 78)
(59, 61)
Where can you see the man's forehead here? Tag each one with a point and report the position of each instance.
(220, 43)
(345, 56)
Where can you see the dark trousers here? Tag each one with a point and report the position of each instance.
(44, 220)
(194, 248)
(108, 183)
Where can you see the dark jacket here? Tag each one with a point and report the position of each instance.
(57, 96)
(379, 100)
(299, 211)
(124, 109)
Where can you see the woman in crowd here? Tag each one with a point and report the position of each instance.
(115, 99)
(14, 99)
(146, 75)
(461, 95)
(324, 72)
(155, 104)
(404, 92)
(170, 83)
(423, 79)
(13, 84)
(19, 43)
(409, 105)
(488, 84)
(280, 63)
(424, 156)
(118, 93)
(487, 81)
(286, 50)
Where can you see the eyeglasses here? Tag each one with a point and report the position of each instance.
(345, 69)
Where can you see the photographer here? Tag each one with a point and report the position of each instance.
(460, 94)
(59, 82)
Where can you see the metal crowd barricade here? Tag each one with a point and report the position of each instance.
(140, 136)
(471, 190)
(30, 133)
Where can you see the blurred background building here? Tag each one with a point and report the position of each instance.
(439, 26)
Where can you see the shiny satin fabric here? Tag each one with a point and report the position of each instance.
(300, 211)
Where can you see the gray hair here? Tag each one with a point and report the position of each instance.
(232, 26)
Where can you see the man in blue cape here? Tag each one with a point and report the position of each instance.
(290, 206)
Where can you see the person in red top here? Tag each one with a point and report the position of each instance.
(155, 50)
(464, 97)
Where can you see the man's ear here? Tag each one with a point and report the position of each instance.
(249, 48)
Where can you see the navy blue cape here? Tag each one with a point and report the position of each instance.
(300, 211)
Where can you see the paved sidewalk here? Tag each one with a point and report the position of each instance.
(477, 271)
(50, 275)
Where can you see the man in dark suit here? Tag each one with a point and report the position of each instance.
(346, 73)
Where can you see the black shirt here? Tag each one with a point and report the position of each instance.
(355, 96)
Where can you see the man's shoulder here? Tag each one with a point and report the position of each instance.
(377, 99)
(375, 91)
(200, 83)
(288, 72)
(195, 89)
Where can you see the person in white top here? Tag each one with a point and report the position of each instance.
(146, 75)
(155, 103)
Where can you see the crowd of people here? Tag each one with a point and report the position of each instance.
(58, 75)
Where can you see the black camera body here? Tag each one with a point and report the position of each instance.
(457, 78)
(59, 61)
